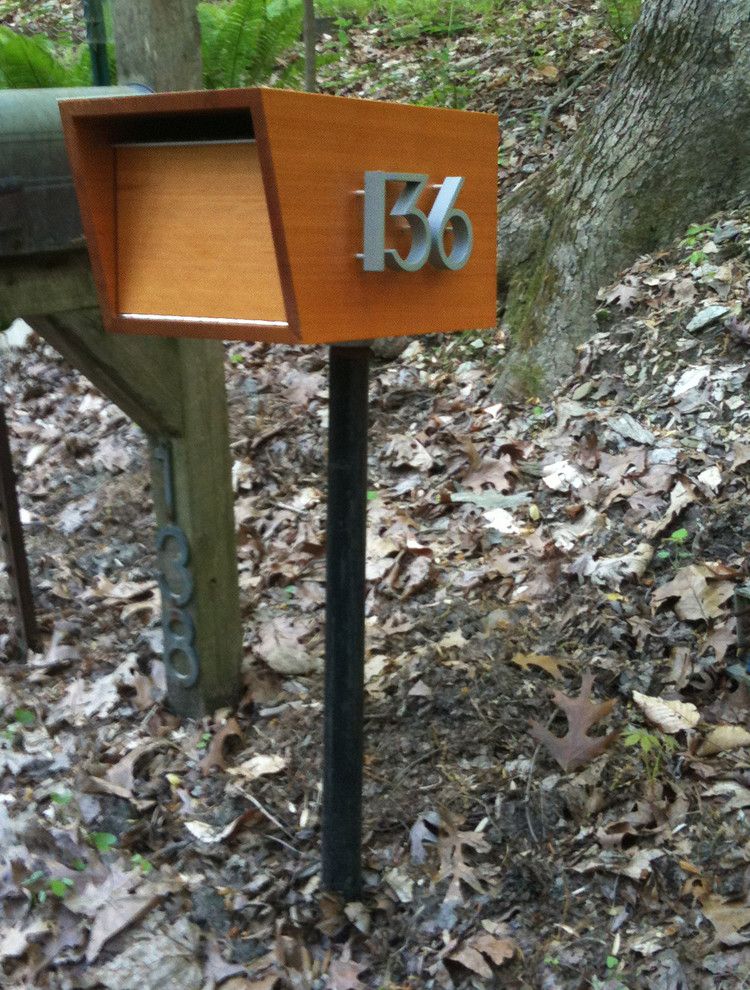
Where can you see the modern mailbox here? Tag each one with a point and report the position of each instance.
(272, 215)
(277, 216)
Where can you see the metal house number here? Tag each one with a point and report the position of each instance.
(427, 230)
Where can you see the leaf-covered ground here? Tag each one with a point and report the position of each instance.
(514, 551)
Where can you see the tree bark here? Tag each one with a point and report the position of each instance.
(172, 62)
(310, 31)
(667, 145)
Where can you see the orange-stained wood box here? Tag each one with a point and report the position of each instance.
(239, 214)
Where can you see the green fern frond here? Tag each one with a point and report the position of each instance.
(242, 40)
(35, 62)
(29, 62)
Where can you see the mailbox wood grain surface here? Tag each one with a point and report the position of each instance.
(242, 214)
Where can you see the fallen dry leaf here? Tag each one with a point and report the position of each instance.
(638, 866)
(669, 716)
(549, 664)
(683, 495)
(215, 753)
(343, 974)
(258, 766)
(612, 571)
(723, 738)
(452, 844)
(739, 796)
(473, 960)
(114, 904)
(499, 950)
(283, 645)
(15, 939)
(729, 919)
(700, 596)
(211, 834)
(576, 747)
(475, 953)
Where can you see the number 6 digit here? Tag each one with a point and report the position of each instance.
(441, 214)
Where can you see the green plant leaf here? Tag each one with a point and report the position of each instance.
(679, 536)
(103, 841)
(60, 886)
(35, 61)
(141, 863)
(33, 878)
(23, 716)
(242, 41)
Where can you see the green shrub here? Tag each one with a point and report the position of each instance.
(621, 16)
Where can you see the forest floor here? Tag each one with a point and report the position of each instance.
(596, 536)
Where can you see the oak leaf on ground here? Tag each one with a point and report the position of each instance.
(576, 747)
(549, 664)
(215, 753)
(452, 845)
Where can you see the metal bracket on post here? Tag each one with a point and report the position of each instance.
(14, 551)
(343, 750)
(176, 584)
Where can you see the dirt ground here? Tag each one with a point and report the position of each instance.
(512, 550)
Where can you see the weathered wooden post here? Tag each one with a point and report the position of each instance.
(276, 216)
(158, 45)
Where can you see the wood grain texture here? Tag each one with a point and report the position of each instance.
(193, 233)
(318, 216)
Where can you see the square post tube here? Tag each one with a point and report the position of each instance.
(343, 748)
(14, 550)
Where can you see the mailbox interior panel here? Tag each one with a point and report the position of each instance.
(193, 234)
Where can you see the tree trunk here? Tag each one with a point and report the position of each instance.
(158, 43)
(667, 145)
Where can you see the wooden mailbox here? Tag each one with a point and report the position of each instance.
(263, 214)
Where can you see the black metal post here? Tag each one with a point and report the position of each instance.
(14, 551)
(343, 749)
(96, 35)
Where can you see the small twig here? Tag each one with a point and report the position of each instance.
(527, 794)
(281, 842)
(565, 95)
(415, 763)
(167, 850)
(254, 801)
